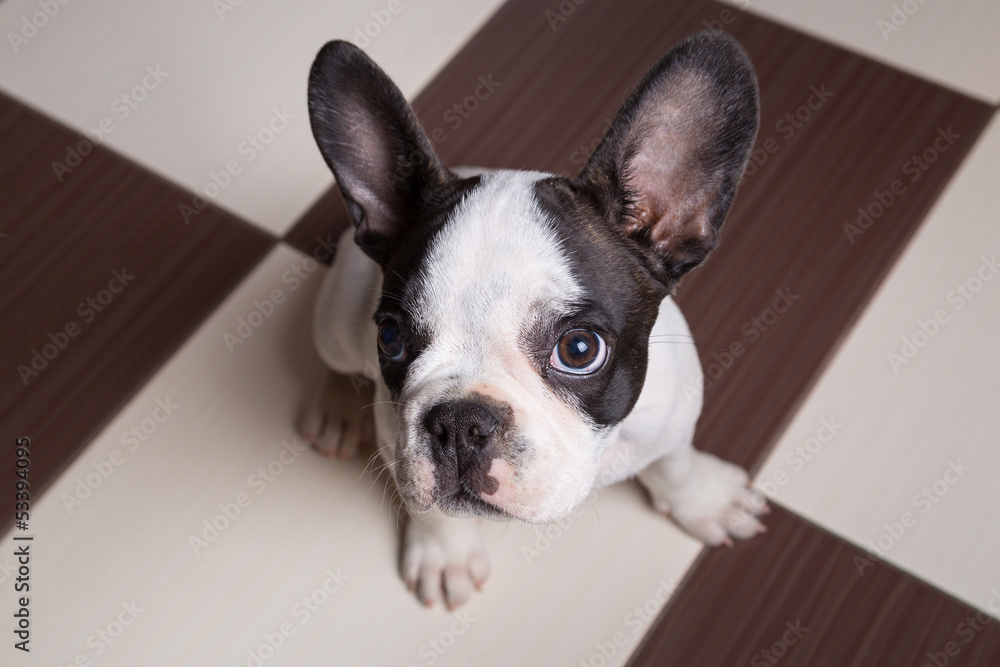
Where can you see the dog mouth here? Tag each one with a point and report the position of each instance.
(465, 503)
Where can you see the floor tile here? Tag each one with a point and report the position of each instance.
(208, 85)
(904, 421)
(951, 43)
(799, 598)
(124, 535)
(102, 281)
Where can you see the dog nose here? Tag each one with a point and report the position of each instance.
(461, 428)
(464, 441)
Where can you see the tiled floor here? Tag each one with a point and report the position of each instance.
(226, 414)
(922, 438)
(842, 435)
(228, 83)
(951, 43)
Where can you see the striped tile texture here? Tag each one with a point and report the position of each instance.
(103, 282)
(870, 193)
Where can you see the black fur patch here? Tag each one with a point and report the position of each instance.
(400, 284)
(385, 165)
(647, 208)
(621, 304)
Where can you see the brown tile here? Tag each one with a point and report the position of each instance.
(735, 604)
(65, 240)
(787, 229)
(325, 221)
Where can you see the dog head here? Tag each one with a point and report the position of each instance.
(516, 307)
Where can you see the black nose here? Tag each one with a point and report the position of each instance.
(460, 431)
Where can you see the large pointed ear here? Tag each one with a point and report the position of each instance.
(668, 167)
(370, 138)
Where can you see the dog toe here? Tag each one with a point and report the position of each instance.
(337, 419)
(444, 560)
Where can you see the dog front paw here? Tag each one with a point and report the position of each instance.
(708, 497)
(337, 419)
(444, 558)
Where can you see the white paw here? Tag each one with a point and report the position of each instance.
(337, 419)
(444, 558)
(710, 498)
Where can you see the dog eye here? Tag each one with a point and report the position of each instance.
(390, 340)
(579, 352)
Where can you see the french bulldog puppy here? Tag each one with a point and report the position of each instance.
(526, 346)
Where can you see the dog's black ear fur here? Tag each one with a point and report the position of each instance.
(668, 167)
(370, 138)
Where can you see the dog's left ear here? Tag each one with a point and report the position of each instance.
(669, 165)
(369, 136)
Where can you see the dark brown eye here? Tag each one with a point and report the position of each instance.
(390, 340)
(579, 352)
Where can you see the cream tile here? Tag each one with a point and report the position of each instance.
(222, 76)
(951, 43)
(927, 421)
(552, 598)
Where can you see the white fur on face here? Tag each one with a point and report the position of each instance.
(490, 273)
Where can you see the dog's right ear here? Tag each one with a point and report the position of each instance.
(371, 140)
(668, 168)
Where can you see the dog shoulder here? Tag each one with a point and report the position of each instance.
(671, 398)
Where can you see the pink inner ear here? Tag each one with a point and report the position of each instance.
(674, 191)
(673, 201)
